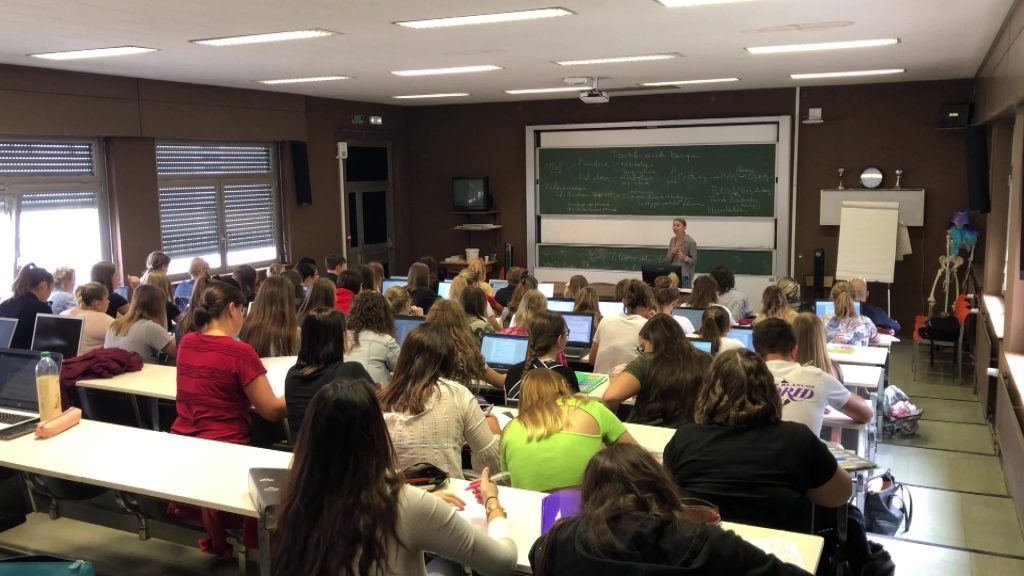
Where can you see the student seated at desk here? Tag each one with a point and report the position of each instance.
(106, 273)
(574, 285)
(270, 326)
(877, 315)
(160, 280)
(705, 295)
(346, 509)
(714, 326)
(775, 305)
(371, 335)
(31, 290)
(401, 304)
(320, 294)
(321, 360)
(588, 301)
(422, 295)
(514, 275)
(526, 283)
(143, 329)
(617, 337)
(549, 444)
(479, 317)
(791, 289)
(220, 381)
(532, 302)
(63, 295)
(806, 390)
(548, 335)
(728, 295)
(847, 326)
(468, 366)
(666, 295)
(632, 521)
(665, 377)
(350, 283)
(811, 346)
(92, 309)
(431, 417)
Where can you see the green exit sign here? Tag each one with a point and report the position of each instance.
(358, 119)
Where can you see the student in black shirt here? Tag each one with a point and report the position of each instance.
(548, 334)
(320, 361)
(419, 290)
(106, 273)
(31, 290)
(504, 295)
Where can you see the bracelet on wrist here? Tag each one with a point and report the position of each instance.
(488, 499)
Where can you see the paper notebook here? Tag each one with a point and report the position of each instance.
(590, 381)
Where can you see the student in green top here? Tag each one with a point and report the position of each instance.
(665, 377)
(547, 447)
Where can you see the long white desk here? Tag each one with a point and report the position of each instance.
(871, 355)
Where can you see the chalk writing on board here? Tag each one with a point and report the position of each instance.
(632, 258)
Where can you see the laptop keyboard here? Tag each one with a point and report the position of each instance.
(8, 418)
(573, 352)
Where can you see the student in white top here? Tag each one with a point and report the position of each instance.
(144, 328)
(617, 337)
(666, 295)
(92, 308)
(714, 326)
(347, 510)
(805, 390)
(371, 335)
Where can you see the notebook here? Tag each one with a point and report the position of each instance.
(581, 333)
(59, 334)
(560, 304)
(828, 307)
(745, 335)
(404, 325)
(694, 315)
(7, 326)
(19, 400)
(502, 351)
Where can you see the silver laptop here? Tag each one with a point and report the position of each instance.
(611, 308)
(59, 334)
(19, 401)
(581, 334)
(404, 325)
(561, 304)
(701, 344)
(547, 288)
(694, 315)
(7, 327)
(503, 351)
(745, 335)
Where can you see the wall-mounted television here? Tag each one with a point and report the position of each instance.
(470, 194)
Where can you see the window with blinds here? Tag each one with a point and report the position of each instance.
(46, 159)
(218, 202)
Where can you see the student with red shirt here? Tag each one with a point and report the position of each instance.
(220, 381)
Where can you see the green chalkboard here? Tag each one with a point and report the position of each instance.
(631, 259)
(732, 180)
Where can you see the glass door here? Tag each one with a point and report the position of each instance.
(369, 204)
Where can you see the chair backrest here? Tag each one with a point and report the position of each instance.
(794, 515)
(961, 309)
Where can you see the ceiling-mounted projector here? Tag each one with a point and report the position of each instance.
(594, 96)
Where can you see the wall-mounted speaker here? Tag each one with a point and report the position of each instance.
(978, 199)
(300, 172)
(954, 116)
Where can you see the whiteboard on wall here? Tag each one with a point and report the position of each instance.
(867, 241)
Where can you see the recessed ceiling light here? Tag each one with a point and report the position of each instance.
(681, 82)
(545, 90)
(443, 95)
(685, 3)
(486, 18)
(813, 47)
(847, 74)
(93, 53)
(619, 59)
(454, 70)
(299, 80)
(261, 38)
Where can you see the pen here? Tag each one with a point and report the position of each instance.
(494, 478)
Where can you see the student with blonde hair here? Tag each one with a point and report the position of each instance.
(92, 309)
(774, 305)
(63, 295)
(271, 327)
(846, 326)
(588, 301)
(791, 289)
(400, 303)
(811, 346)
(143, 329)
(479, 268)
(526, 284)
(532, 302)
(548, 446)
(666, 296)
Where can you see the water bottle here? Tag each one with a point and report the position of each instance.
(48, 387)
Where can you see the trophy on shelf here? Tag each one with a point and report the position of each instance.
(899, 174)
(841, 170)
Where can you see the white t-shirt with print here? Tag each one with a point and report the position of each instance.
(617, 338)
(806, 391)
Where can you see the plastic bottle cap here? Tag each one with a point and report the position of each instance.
(44, 355)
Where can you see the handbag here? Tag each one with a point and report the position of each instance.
(426, 476)
(40, 565)
(887, 504)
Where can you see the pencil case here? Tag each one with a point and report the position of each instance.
(58, 423)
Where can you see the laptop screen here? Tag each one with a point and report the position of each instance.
(547, 289)
(828, 307)
(389, 282)
(581, 328)
(443, 288)
(702, 345)
(560, 304)
(745, 335)
(60, 334)
(504, 349)
(404, 325)
(7, 326)
(497, 284)
(694, 315)
(18, 379)
(610, 308)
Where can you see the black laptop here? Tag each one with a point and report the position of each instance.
(581, 334)
(19, 401)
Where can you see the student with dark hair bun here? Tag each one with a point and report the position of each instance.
(221, 381)
(31, 290)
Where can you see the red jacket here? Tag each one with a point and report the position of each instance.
(343, 299)
(99, 363)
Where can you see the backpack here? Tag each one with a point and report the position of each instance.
(941, 329)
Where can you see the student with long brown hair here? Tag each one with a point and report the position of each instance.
(160, 280)
(617, 337)
(143, 329)
(429, 416)
(513, 276)
(106, 273)
(371, 335)
(588, 301)
(811, 346)
(775, 305)
(156, 261)
(419, 288)
(532, 303)
(526, 284)
(714, 326)
(468, 366)
(548, 335)
(847, 326)
(320, 294)
(665, 377)
(31, 290)
(92, 309)
(474, 304)
(548, 445)
(246, 277)
(270, 326)
(574, 285)
(346, 509)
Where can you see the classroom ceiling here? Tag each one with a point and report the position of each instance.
(939, 39)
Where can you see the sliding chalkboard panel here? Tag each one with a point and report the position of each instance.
(631, 259)
(707, 180)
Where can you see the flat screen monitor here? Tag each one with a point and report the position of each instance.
(497, 284)
(694, 315)
(610, 308)
(404, 325)
(7, 326)
(745, 335)
(471, 194)
(652, 271)
(60, 334)
(828, 307)
(443, 288)
(389, 282)
(581, 328)
(702, 345)
(560, 304)
(547, 288)
(503, 350)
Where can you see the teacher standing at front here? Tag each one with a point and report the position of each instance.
(682, 250)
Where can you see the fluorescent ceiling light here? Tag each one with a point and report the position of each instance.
(486, 18)
(443, 95)
(94, 53)
(849, 74)
(813, 47)
(547, 90)
(647, 58)
(261, 38)
(686, 3)
(681, 82)
(454, 70)
(299, 80)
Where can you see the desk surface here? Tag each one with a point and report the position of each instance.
(214, 474)
(996, 309)
(845, 354)
(862, 375)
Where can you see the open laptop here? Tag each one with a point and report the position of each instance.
(498, 284)
(610, 308)
(701, 344)
(560, 304)
(7, 326)
(581, 334)
(694, 315)
(745, 335)
(19, 401)
(443, 288)
(404, 325)
(502, 351)
(828, 308)
(59, 334)
(389, 282)
(547, 288)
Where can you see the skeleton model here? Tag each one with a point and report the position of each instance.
(960, 235)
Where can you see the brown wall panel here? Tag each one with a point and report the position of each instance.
(134, 203)
(1000, 151)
